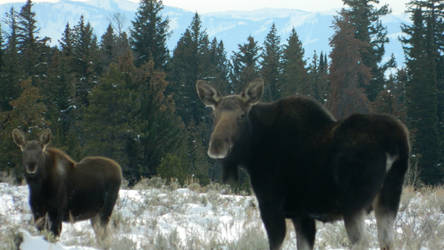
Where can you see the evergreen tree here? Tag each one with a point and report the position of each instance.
(32, 49)
(365, 17)
(27, 114)
(219, 67)
(346, 96)
(108, 46)
(85, 61)
(295, 78)
(271, 65)
(244, 65)
(12, 72)
(422, 54)
(318, 77)
(149, 33)
(193, 59)
(58, 96)
(190, 58)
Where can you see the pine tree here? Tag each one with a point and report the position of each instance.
(85, 61)
(12, 70)
(318, 77)
(219, 67)
(295, 78)
(365, 17)
(108, 45)
(190, 59)
(58, 96)
(271, 65)
(244, 65)
(32, 49)
(346, 96)
(27, 114)
(149, 33)
(422, 56)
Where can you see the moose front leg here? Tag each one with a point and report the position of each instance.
(40, 219)
(56, 218)
(39, 214)
(274, 222)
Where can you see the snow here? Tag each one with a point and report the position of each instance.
(180, 218)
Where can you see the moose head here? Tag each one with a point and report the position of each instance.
(230, 114)
(33, 151)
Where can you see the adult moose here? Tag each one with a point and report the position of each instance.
(306, 166)
(66, 190)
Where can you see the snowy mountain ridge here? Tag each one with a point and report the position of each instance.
(232, 27)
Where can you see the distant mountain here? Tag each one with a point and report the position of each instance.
(233, 28)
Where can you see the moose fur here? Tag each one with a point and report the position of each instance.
(65, 190)
(305, 165)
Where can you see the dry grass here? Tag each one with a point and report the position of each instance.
(420, 221)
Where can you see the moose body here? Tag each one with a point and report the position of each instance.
(304, 165)
(65, 190)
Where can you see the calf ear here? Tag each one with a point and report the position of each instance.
(19, 138)
(45, 138)
(207, 94)
(253, 93)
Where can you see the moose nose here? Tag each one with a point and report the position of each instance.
(31, 168)
(218, 148)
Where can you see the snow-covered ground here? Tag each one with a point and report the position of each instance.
(167, 217)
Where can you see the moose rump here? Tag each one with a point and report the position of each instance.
(64, 190)
(305, 165)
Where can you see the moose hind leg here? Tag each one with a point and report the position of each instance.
(384, 221)
(354, 225)
(305, 233)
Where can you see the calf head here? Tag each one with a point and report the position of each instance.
(33, 151)
(230, 115)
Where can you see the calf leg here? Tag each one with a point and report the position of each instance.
(40, 219)
(305, 233)
(274, 223)
(101, 220)
(55, 217)
(354, 225)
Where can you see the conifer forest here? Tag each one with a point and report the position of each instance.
(123, 94)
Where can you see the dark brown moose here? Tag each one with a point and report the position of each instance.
(65, 190)
(305, 165)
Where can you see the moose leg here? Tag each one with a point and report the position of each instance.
(385, 218)
(386, 203)
(354, 225)
(274, 223)
(305, 233)
(40, 219)
(101, 220)
(56, 217)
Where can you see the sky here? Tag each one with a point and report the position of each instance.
(205, 6)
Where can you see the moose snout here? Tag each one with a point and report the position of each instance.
(31, 168)
(219, 148)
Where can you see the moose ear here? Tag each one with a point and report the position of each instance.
(253, 93)
(207, 94)
(45, 138)
(19, 138)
